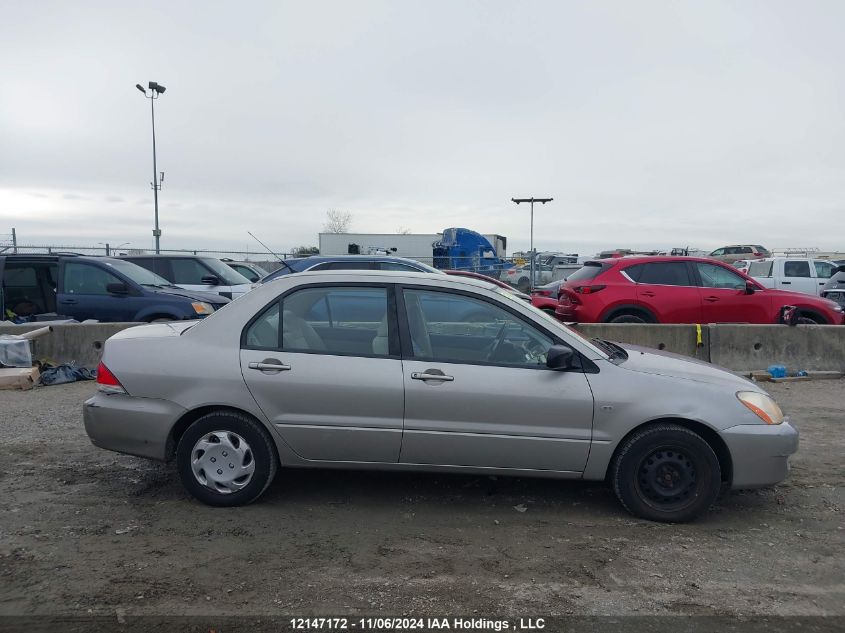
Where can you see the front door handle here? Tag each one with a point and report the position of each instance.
(711, 299)
(430, 375)
(786, 283)
(269, 364)
(68, 302)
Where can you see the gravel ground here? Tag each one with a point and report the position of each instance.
(85, 531)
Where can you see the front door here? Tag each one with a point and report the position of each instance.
(724, 297)
(339, 335)
(83, 294)
(478, 393)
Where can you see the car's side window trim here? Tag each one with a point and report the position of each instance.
(392, 321)
(405, 330)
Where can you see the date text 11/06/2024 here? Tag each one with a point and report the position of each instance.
(416, 624)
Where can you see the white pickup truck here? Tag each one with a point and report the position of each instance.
(799, 274)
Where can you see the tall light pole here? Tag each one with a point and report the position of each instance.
(533, 254)
(156, 90)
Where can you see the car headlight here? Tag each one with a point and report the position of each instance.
(762, 405)
(201, 307)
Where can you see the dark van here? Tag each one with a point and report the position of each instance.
(88, 287)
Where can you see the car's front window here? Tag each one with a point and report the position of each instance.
(713, 276)
(451, 327)
(139, 275)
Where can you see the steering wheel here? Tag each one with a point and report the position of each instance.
(494, 346)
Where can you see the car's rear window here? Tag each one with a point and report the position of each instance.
(590, 270)
(760, 269)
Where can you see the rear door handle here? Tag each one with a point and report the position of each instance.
(68, 302)
(431, 376)
(647, 293)
(269, 366)
(711, 299)
(786, 283)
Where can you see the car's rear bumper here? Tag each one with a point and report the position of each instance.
(760, 453)
(138, 426)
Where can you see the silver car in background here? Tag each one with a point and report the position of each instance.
(380, 370)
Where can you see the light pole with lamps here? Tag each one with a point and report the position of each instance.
(533, 254)
(156, 90)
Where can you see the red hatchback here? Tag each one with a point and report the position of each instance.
(680, 290)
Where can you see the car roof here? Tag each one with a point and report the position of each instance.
(392, 276)
(642, 259)
(57, 256)
(380, 258)
(162, 255)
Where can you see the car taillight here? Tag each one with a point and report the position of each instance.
(756, 254)
(567, 297)
(588, 290)
(107, 382)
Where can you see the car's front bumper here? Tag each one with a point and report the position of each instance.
(760, 453)
(138, 426)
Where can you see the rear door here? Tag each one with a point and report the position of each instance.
(797, 277)
(343, 335)
(478, 394)
(667, 290)
(724, 298)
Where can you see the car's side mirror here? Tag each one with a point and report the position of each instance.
(838, 269)
(117, 289)
(750, 288)
(210, 280)
(560, 357)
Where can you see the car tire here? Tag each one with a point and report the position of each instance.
(628, 317)
(233, 441)
(667, 473)
(524, 284)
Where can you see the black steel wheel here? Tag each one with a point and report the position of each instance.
(666, 472)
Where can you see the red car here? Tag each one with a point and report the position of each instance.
(546, 297)
(680, 290)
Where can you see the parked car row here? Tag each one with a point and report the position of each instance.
(101, 288)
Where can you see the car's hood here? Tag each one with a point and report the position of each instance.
(193, 295)
(651, 361)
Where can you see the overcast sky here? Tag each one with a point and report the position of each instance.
(651, 124)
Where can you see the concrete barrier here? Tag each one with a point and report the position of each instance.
(736, 347)
(680, 339)
(747, 347)
(73, 342)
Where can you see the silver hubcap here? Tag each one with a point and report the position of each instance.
(222, 461)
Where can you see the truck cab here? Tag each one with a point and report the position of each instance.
(798, 274)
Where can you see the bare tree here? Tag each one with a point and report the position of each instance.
(403, 230)
(337, 221)
(304, 251)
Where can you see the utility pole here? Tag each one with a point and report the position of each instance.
(156, 90)
(14, 241)
(533, 254)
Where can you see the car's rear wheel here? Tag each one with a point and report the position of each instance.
(226, 458)
(628, 317)
(666, 472)
(523, 285)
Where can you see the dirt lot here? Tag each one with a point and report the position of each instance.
(85, 531)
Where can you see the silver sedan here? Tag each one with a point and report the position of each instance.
(382, 370)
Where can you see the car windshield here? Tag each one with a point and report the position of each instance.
(549, 319)
(136, 273)
(227, 276)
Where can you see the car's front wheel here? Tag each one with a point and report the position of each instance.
(665, 472)
(226, 458)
